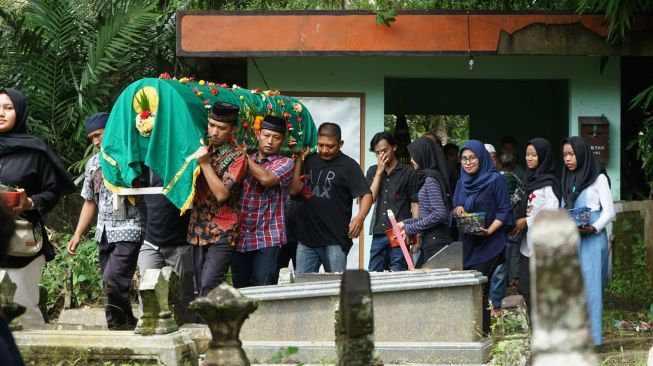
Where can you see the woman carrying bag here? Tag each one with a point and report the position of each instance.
(28, 164)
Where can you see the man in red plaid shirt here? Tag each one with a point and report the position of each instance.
(262, 227)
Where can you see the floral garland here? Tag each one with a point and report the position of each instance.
(254, 104)
(145, 118)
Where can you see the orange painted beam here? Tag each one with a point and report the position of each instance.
(242, 34)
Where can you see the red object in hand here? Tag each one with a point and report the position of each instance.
(11, 198)
(145, 114)
(394, 242)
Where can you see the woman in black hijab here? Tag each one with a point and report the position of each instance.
(28, 163)
(434, 197)
(586, 184)
(542, 192)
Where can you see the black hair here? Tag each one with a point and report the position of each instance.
(508, 140)
(451, 147)
(382, 136)
(506, 162)
(330, 129)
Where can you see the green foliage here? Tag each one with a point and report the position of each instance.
(644, 141)
(450, 129)
(619, 14)
(283, 354)
(73, 57)
(386, 17)
(512, 339)
(630, 282)
(87, 280)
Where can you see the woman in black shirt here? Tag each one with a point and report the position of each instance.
(27, 163)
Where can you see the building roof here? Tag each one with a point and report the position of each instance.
(338, 33)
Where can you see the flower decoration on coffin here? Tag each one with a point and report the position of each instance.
(146, 103)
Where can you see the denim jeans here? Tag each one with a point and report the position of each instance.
(254, 268)
(499, 280)
(309, 259)
(383, 257)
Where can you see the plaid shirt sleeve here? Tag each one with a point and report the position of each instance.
(283, 169)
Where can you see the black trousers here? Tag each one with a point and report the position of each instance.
(211, 263)
(255, 268)
(487, 269)
(118, 264)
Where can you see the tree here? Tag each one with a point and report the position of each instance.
(72, 58)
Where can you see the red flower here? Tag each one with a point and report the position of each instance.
(145, 114)
(206, 101)
(245, 125)
(165, 75)
(269, 105)
(299, 119)
(289, 125)
(214, 91)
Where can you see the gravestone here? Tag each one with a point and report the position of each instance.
(68, 301)
(450, 257)
(561, 334)
(224, 310)
(354, 328)
(10, 309)
(286, 276)
(154, 292)
(174, 293)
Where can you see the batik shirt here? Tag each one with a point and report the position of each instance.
(262, 224)
(210, 220)
(125, 224)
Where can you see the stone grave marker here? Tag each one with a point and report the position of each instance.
(224, 310)
(11, 309)
(174, 293)
(156, 317)
(354, 328)
(450, 257)
(561, 334)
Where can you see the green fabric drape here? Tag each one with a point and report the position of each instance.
(180, 128)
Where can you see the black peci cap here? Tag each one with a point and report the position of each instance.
(224, 112)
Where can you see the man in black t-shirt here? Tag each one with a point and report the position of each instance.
(326, 227)
(165, 245)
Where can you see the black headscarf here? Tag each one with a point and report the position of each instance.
(17, 139)
(588, 168)
(432, 163)
(543, 175)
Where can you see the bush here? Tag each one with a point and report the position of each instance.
(87, 280)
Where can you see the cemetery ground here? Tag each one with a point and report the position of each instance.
(627, 316)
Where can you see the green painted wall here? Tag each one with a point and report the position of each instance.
(591, 91)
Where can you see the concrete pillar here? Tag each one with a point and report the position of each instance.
(224, 310)
(561, 334)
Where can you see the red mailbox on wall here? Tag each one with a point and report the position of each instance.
(596, 130)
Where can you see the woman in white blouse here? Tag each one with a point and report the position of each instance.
(542, 191)
(586, 184)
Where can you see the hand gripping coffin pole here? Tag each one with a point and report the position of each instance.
(400, 239)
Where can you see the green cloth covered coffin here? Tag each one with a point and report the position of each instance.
(171, 116)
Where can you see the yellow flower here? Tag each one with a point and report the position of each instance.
(202, 82)
(241, 97)
(297, 107)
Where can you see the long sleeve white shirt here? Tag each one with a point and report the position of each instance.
(599, 197)
(540, 199)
